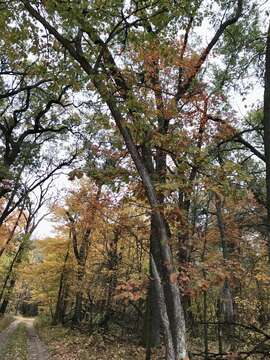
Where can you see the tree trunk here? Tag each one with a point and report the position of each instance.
(58, 314)
(9, 273)
(77, 317)
(112, 264)
(6, 299)
(10, 279)
(266, 125)
(153, 321)
(184, 256)
(226, 299)
(171, 289)
(205, 326)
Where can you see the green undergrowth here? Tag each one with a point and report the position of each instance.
(5, 321)
(16, 347)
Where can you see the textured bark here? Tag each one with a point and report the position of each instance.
(161, 302)
(173, 302)
(184, 257)
(77, 316)
(266, 125)
(226, 306)
(112, 264)
(153, 320)
(205, 326)
(152, 323)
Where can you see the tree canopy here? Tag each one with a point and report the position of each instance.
(164, 229)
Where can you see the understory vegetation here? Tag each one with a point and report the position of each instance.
(5, 322)
(69, 344)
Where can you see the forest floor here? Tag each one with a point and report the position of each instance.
(68, 344)
(19, 341)
(29, 339)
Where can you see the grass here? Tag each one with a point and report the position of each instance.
(5, 322)
(16, 347)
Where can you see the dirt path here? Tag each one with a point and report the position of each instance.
(5, 335)
(36, 349)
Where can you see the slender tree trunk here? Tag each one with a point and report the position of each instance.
(58, 314)
(6, 299)
(266, 125)
(10, 280)
(184, 258)
(205, 326)
(153, 321)
(219, 331)
(205, 297)
(226, 310)
(77, 317)
(11, 235)
(9, 273)
(113, 261)
(81, 254)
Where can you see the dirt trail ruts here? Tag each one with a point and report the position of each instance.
(4, 335)
(36, 349)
